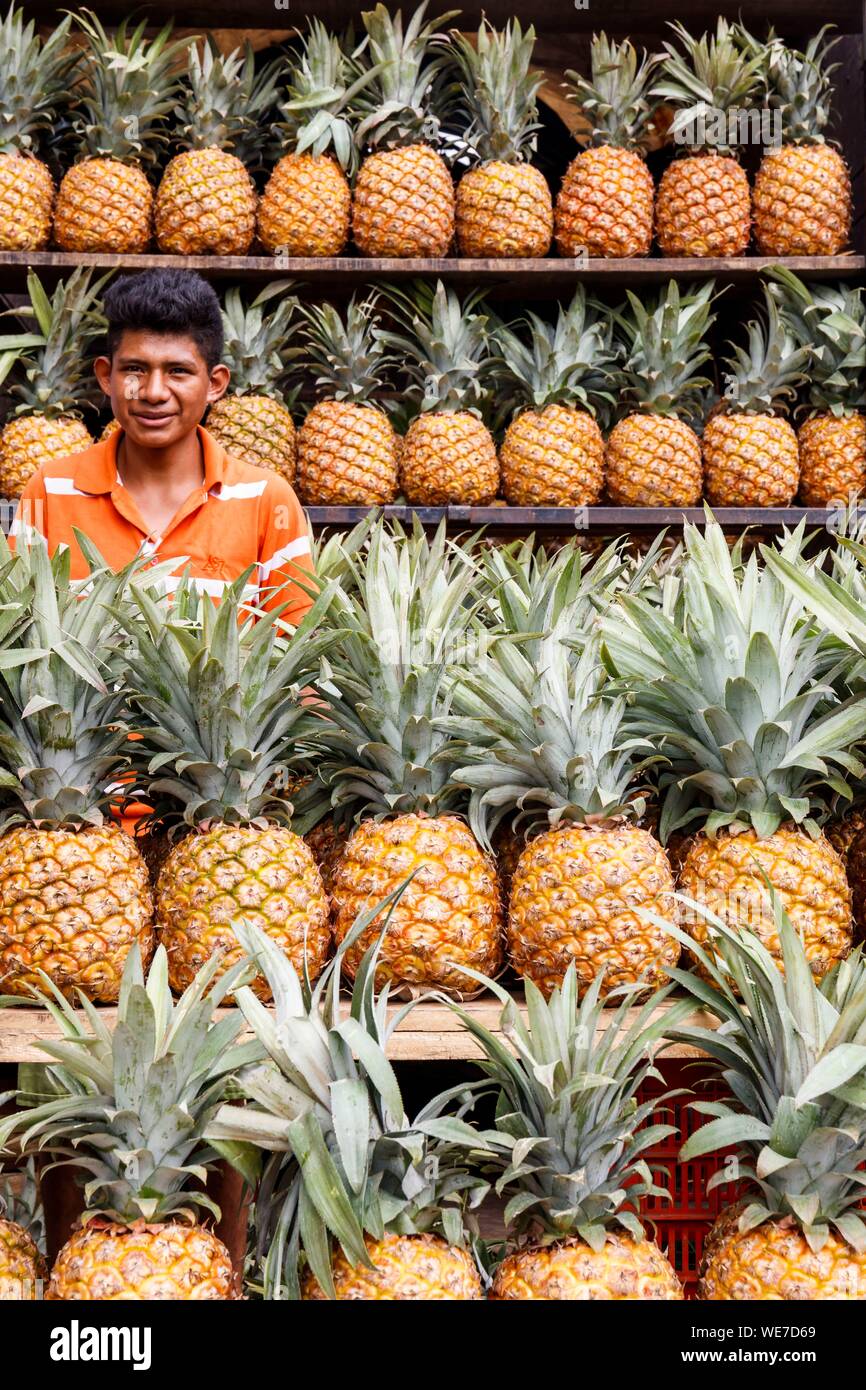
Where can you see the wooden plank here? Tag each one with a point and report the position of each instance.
(431, 1032)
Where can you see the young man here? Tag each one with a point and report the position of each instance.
(161, 486)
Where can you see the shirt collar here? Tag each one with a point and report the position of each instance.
(96, 470)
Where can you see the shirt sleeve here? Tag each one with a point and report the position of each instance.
(30, 514)
(285, 553)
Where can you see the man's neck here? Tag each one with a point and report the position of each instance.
(181, 464)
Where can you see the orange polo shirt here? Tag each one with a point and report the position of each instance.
(240, 516)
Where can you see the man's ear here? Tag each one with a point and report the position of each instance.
(102, 372)
(219, 383)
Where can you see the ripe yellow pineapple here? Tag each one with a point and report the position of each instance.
(134, 1103)
(206, 201)
(51, 377)
(347, 447)
(253, 422)
(751, 455)
(129, 84)
(403, 200)
(503, 203)
(605, 204)
(791, 1065)
(448, 454)
(702, 204)
(22, 1263)
(552, 454)
(653, 453)
(397, 1226)
(74, 892)
(801, 202)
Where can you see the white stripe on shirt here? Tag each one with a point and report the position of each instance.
(227, 492)
(299, 546)
(63, 487)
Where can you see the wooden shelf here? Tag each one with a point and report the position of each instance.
(431, 1033)
(576, 520)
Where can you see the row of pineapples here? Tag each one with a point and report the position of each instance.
(450, 376)
(362, 137)
(354, 1199)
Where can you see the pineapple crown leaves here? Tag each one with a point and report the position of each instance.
(128, 88)
(51, 374)
(792, 1053)
(765, 375)
(570, 1131)
(798, 84)
(567, 361)
(129, 1106)
(347, 352)
(316, 115)
(727, 690)
(258, 350)
(498, 91)
(835, 603)
(408, 84)
(831, 321)
(345, 1160)
(24, 1205)
(616, 98)
(664, 347)
(224, 102)
(219, 693)
(35, 76)
(445, 346)
(711, 74)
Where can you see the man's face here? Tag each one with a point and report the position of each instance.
(159, 385)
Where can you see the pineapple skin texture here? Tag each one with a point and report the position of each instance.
(605, 205)
(654, 461)
(450, 915)
(21, 1264)
(750, 461)
(552, 458)
(104, 205)
(832, 458)
(327, 844)
(576, 896)
(257, 430)
(703, 207)
(28, 441)
(205, 205)
(347, 455)
(774, 1262)
(801, 203)
(504, 210)
(572, 1271)
(72, 903)
(27, 196)
(448, 457)
(403, 204)
(105, 1262)
(306, 207)
(725, 875)
(213, 876)
(406, 1268)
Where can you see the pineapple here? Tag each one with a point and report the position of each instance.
(22, 1262)
(729, 688)
(253, 422)
(403, 203)
(305, 209)
(105, 201)
(605, 204)
(51, 377)
(74, 892)
(129, 1107)
(751, 456)
(702, 204)
(653, 455)
(801, 204)
(830, 321)
(221, 697)
(572, 1194)
(386, 760)
(206, 201)
(448, 454)
(503, 204)
(347, 447)
(791, 1055)
(553, 452)
(34, 77)
(363, 1203)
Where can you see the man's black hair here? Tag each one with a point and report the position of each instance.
(166, 301)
